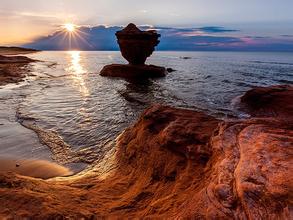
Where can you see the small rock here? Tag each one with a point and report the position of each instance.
(185, 58)
(170, 70)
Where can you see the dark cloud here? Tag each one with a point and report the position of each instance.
(216, 29)
(201, 30)
(286, 35)
(190, 43)
(188, 39)
(86, 38)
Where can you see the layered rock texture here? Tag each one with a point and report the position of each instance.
(176, 163)
(136, 46)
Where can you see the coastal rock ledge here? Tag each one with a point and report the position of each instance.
(13, 69)
(174, 163)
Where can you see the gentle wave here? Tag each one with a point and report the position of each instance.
(274, 63)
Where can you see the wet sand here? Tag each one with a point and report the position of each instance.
(15, 139)
(18, 141)
(33, 168)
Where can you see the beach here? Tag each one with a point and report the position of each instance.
(192, 165)
(132, 149)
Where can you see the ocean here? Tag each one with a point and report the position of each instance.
(67, 103)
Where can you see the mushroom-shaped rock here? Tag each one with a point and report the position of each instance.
(136, 45)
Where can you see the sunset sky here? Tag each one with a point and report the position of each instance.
(22, 21)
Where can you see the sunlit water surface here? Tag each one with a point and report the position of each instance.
(68, 96)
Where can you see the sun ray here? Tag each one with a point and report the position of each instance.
(74, 36)
(78, 34)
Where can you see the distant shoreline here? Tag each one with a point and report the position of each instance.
(16, 50)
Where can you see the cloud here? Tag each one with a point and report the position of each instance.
(209, 29)
(188, 39)
(287, 35)
(215, 29)
(27, 15)
(200, 42)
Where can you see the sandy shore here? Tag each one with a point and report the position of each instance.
(33, 168)
(14, 69)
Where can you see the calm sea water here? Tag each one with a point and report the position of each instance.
(66, 95)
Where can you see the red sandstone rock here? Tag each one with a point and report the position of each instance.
(173, 163)
(274, 101)
(136, 45)
(133, 71)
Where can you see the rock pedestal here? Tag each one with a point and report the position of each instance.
(133, 71)
(135, 46)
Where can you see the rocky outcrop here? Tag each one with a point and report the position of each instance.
(133, 71)
(136, 46)
(172, 163)
(274, 101)
(13, 68)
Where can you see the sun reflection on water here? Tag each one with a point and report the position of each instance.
(79, 77)
(78, 72)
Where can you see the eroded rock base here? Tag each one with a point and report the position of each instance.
(133, 71)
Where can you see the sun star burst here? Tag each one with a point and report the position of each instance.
(69, 27)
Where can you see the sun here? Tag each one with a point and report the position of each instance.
(69, 27)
